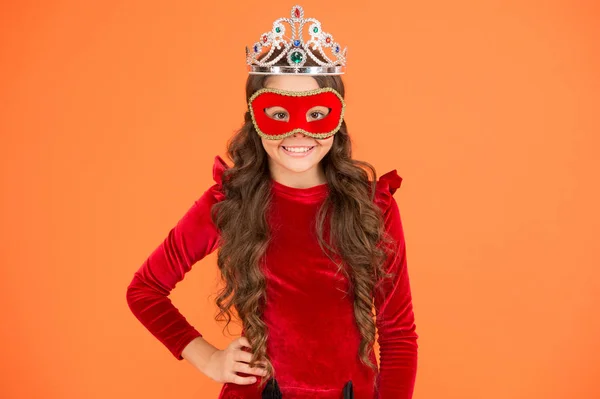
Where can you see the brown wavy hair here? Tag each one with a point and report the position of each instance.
(357, 234)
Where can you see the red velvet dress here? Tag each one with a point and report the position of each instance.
(313, 339)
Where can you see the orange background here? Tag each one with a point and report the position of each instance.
(111, 114)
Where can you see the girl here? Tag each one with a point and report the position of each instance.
(307, 244)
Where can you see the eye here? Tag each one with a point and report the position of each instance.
(277, 113)
(317, 113)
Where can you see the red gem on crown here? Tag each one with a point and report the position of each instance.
(297, 12)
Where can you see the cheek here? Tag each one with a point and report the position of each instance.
(326, 143)
(271, 146)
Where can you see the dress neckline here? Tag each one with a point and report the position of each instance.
(314, 191)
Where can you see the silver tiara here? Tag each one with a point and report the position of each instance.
(296, 50)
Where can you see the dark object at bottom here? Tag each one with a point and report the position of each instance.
(272, 391)
(348, 390)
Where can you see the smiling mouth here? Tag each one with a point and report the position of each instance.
(298, 149)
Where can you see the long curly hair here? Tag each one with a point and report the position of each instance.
(357, 234)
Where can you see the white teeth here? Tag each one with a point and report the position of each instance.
(297, 149)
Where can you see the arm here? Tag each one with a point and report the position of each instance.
(191, 239)
(397, 337)
(199, 352)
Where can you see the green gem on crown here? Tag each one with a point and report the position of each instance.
(278, 29)
(296, 57)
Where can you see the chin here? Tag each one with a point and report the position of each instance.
(298, 166)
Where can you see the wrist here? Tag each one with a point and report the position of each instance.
(199, 352)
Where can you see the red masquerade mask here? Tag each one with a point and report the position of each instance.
(277, 114)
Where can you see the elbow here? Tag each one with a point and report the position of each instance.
(136, 291)
(131, 293)
(142, 293)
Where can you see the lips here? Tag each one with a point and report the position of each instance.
(298, 146)
(298, 153)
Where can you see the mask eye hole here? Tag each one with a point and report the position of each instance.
(277, 113)
(317, 113)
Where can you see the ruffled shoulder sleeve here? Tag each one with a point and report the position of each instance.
(219, 166)
(385, 187)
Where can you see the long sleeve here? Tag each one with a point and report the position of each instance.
(191, 239)
(395, 320)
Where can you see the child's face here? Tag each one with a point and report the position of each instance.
(295, 161)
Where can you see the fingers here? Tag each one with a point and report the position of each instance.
(245, 368)
(241, 342)
(241, 360)
(242, 355)
(237, 379)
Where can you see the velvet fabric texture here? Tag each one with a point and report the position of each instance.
(313, 338)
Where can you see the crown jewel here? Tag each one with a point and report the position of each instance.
(297, 49)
